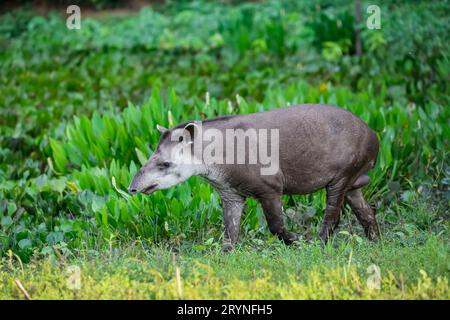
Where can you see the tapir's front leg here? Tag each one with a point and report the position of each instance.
(233, 205)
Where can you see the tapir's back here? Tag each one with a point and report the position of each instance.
(317, 143)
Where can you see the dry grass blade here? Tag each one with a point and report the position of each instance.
(22, 288)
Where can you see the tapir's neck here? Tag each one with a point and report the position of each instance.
(209, 171)
(212, 173)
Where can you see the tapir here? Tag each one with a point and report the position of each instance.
(312, 146)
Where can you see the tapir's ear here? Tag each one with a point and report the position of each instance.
(190, 129)
(161, 128)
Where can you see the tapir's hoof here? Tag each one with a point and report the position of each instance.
(373, 234)
(289, 238)
(227, 247)
(323, 238)
(307, 237)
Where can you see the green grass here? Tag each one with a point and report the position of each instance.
(253, 271)
(412, 259)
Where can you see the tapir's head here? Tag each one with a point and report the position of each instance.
(171, 163)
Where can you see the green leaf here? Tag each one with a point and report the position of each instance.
(6, 221)
(12, 207)
(58, 185)
(59, 155)
(141, 156)
(25, 244)
(54, 237)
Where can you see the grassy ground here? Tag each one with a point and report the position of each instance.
(411, 261)
(344, 269)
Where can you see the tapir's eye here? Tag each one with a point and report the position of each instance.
(164, 165)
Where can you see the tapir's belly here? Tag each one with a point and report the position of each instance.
(305, 184)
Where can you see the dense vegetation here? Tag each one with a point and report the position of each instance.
(79, 110)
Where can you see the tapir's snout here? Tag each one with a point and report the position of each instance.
(140, 185)
(135, 184)
(132, 191)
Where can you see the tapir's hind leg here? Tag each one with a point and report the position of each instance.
(364, 213)
(335, 198)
